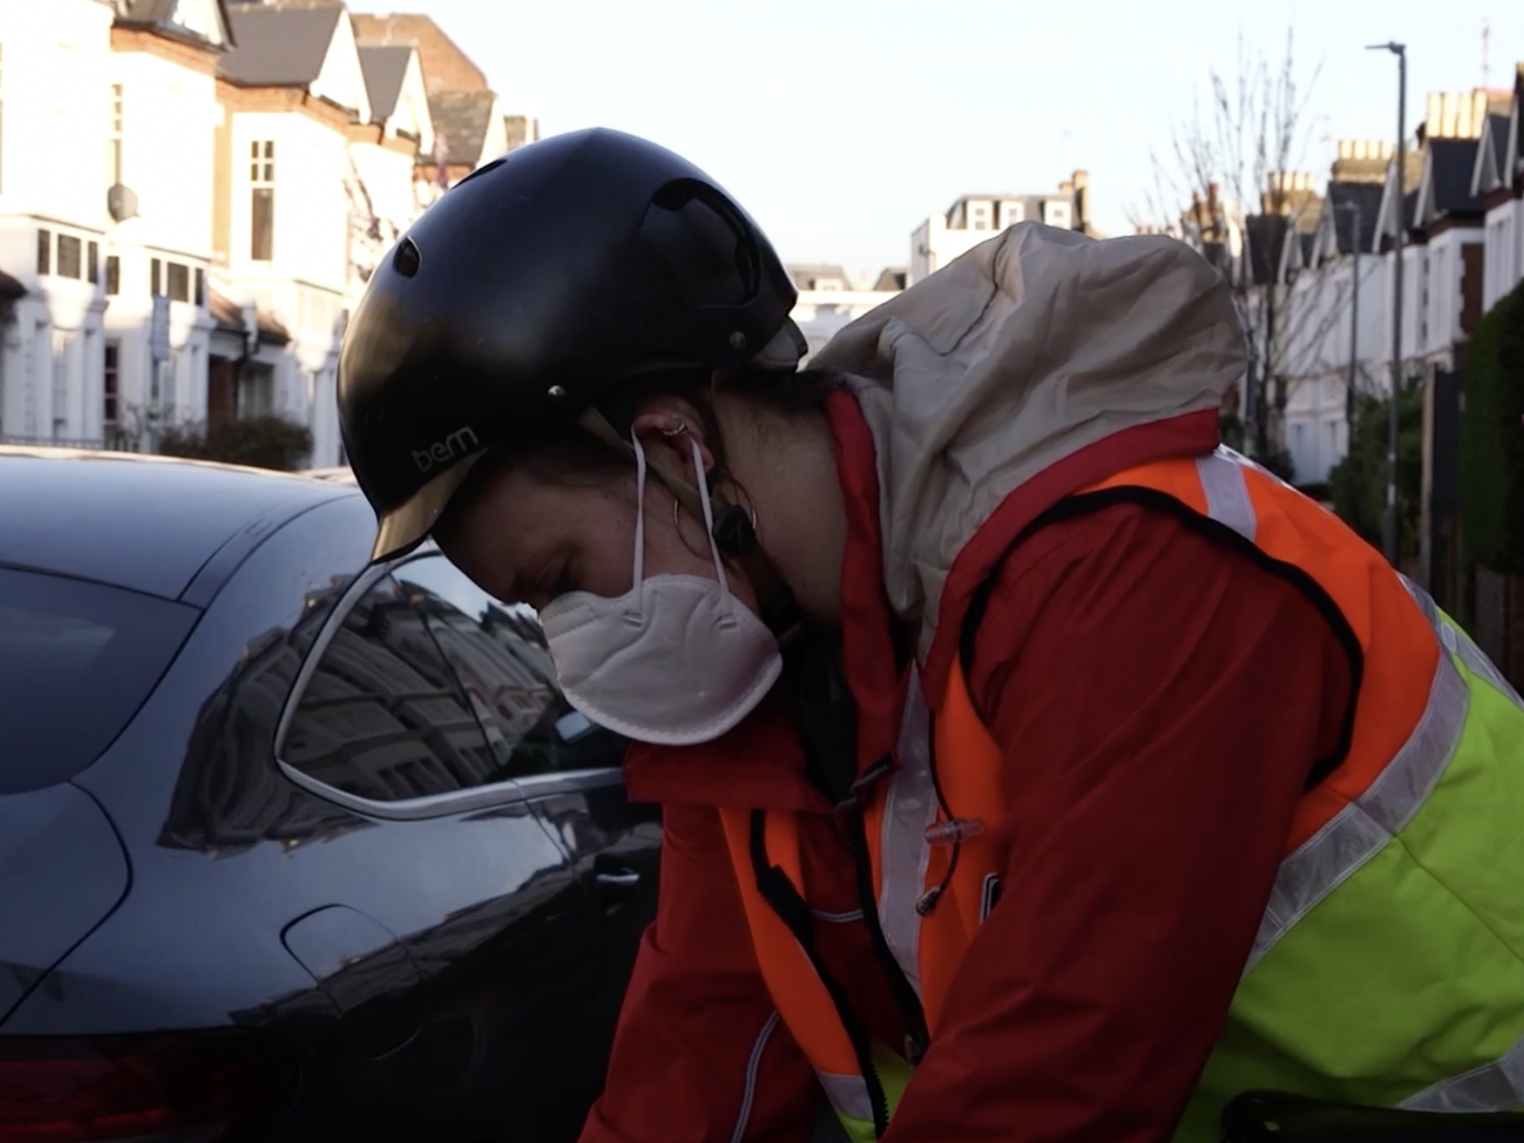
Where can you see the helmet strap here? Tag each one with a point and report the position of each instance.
(733, 532)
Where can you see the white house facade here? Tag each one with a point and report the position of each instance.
(1337, 327)
(1498, 181)
(54, 62)
(975, 218)
(288, 211)
(159, 194)
(193, 193)
(384, 182)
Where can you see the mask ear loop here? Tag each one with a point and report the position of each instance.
(636, 591)
(714, 547)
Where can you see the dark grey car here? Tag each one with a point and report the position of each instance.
(290, 848)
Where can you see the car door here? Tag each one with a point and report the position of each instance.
(568, 769)
(488, 909)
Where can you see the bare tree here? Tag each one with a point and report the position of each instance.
(1225, 184)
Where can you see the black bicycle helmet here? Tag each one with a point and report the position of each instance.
(533, 284)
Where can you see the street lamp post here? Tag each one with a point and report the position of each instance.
(1391, 529)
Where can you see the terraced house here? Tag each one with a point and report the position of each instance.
(193, 193)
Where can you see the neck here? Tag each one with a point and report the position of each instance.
(785, 469)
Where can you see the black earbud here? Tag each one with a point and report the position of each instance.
(734, 532)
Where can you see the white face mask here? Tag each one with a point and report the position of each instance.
(676, 659)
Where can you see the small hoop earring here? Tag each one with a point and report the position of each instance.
(751, 514)
(682, 427)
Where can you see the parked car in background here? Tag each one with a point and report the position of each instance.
(290, 848)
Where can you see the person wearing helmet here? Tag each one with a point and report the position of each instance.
(1032, 768)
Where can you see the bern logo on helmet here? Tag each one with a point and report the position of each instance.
(457, 444)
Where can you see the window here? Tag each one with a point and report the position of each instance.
(383, 716)
(178, 282)
(1011, 213)
(114, 138)
(70, 645)
(171, 375)
(979, 216)
(429, 686)
(93, 263)
(155, 277)
(113, 275)
(111, 409)
(200, 297)
(499, 654)
(44, 251)
(70, 257)
(1056, 213)
(255, 392)
(262, 200)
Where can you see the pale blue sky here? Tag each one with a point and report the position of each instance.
(842, 124)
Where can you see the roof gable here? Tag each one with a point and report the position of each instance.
(1513, 162)
(1345, 203)
(280, 45)
(1491, 148)
(342, 80)
(1445, 188)
(203, 22)
(385, 67)
(464, 124)
(445, 66)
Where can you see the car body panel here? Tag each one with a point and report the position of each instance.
(110, 537)
(63, 869)
(440, 976)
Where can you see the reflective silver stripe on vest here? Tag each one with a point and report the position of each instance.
(1498, 1086)
(1359, 831)
(749, 1096)
(848, 1095)
(909, 808)
(1458, 643)
(1363, 827)
(1227, 494)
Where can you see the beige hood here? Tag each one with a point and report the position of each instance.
(1026, 349)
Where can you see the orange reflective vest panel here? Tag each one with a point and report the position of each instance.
(1226, 496)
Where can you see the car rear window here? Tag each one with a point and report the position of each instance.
(77, 659)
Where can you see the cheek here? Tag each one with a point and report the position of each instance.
(602, 537)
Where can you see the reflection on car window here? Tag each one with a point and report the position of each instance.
(500, 658)
(383, 716)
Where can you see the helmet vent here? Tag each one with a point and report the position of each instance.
(407, 258)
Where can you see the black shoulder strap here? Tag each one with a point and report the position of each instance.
(1086, 502)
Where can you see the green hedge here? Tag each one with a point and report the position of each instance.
(260, 442)
(1358, 482)
(1491, 488)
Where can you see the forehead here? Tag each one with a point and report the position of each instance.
(512, 521)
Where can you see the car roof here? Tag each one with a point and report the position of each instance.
(148, 523)
(339, 474)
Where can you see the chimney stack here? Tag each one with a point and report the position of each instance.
(1081, 182)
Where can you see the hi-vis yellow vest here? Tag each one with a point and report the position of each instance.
(1389, 965)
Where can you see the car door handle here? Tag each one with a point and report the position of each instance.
(617, 878)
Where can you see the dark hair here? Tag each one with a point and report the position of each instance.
(575, 457)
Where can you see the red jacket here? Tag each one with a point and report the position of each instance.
(1160, 701)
